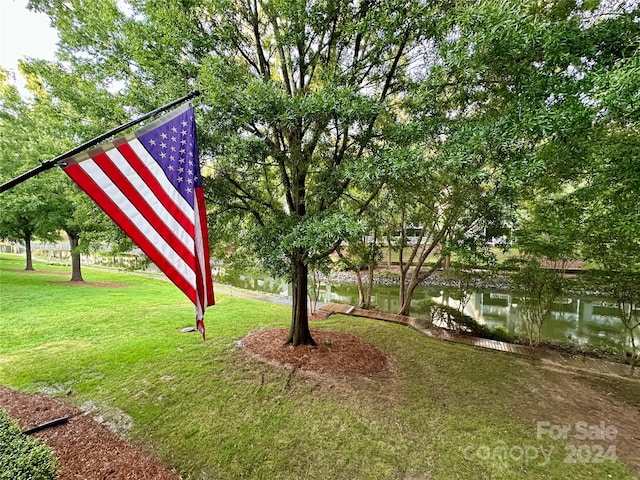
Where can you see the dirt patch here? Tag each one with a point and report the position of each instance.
(335, 353)
(581, 402)
(85, 448)
(318, 316)
(69, 282)
(92, 284)
(40, 272)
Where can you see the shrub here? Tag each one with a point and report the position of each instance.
(501, 335)
(459, 322)
(570, 347)
(23, 457)
(423, 306)
(388, 275)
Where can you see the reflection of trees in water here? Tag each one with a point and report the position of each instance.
(581, 319)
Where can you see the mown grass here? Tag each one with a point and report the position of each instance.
(211, 412)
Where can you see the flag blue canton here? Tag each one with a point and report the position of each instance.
(173, 145)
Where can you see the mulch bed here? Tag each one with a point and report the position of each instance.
(85, 449)
(335, 353)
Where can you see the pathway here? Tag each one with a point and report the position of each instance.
(553, 359)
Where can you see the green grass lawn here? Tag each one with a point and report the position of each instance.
(441, 411)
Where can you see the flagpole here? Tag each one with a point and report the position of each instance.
(52, 163)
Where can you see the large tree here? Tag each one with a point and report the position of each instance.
(584, 203)
(302, 93)
(295, 95)
(60, 112)
(24, 213)
(31, 209)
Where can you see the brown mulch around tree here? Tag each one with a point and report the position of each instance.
(335, 352)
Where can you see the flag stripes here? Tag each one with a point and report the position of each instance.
(107, 195)
(149, 184)
(150, 187)
(159, 184)
(205, 287)
(135, 189)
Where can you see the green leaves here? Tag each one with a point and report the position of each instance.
(22, 457)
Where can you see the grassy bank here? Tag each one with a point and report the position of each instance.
(441, 411)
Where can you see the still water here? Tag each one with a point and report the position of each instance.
(580, 319)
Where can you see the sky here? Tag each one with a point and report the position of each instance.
(24, 33)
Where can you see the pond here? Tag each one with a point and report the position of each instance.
(580, 319)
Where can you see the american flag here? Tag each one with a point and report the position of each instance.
(149, 183)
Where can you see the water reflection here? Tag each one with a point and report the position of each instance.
(581, 319)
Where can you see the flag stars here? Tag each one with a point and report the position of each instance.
(173, 147)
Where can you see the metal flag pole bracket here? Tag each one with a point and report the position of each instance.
(59, 160)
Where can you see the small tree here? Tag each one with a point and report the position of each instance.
(462, 281)
(626, 291)
(539, 288)
(362, 253)
(316, 270)
(624, 287)
(26, 210)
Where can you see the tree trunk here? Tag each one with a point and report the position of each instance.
(27, 248)
(76, 272)
(367, 301)
(360, 287)
(314, 294)
(370, 268)
(299, 333)
(405, 300)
